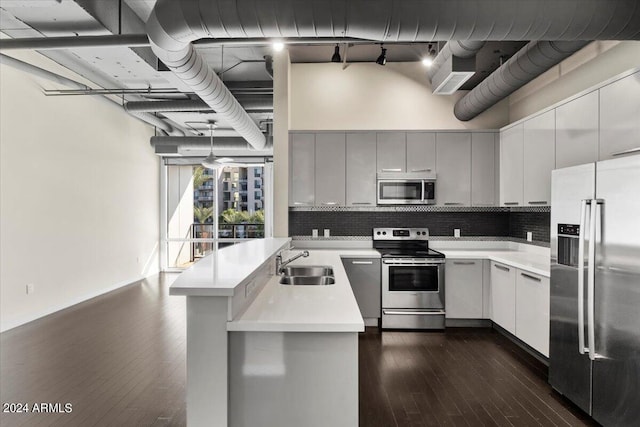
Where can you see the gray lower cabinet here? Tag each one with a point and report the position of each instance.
(421, 152)
(453, 165)
(302, 169)
(464, 288)
(330, 169)
(620, 117)
(391, 150)
(503, 296)
(539, 158)
(577, 131)
(511, 176)
(361, 169)
(483, 169)
(365, 277)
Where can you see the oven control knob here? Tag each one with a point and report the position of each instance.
(384, 233)
(424, 233)
(378, 233)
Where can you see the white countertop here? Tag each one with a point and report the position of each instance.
(221, 272)
(330, 308)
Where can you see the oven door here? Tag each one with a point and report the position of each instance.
(415, 283)
(400, 192)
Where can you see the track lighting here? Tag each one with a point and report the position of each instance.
(427, 61)
(382, 59)
(336, 54)
(278, 46)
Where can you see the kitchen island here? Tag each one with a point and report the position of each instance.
(262, 353)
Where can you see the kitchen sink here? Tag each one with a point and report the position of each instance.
(307, 280)
(308, 270)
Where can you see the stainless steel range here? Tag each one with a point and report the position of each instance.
(412, 279)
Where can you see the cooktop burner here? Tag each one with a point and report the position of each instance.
(404, 243)
(399, 253)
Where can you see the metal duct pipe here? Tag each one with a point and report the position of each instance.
(50, 43)
(462, 49)
(249, 104)
(528, 63)
(48, 75)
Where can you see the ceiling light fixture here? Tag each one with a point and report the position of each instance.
(278, 46)
(211, 161)
(336, 54)
(382, 59)
(427, 61)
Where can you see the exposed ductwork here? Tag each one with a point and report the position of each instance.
(461, 49)
(48, 75)
(527, 64)
(173, 25)
(249, 103)
(223, 146)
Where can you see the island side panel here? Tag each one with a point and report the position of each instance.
(292, 379)
(207, 358)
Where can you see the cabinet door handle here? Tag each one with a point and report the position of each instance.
(510, 203)
(528, 276)
(362, 262)
(421, 170)
(453, 203)
(538, 202)
(392, 170)
(300, 203)
(329, 203)
(361, 203)
(630, 151)
(464, 262)
(501, 267)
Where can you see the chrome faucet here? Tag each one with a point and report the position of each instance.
(280, 264)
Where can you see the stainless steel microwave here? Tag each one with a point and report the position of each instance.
(406, 188)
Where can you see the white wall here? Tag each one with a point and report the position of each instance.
(281, 126)
(367, 96)
(595, 63)
(79, 196)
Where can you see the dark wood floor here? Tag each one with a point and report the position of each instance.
(119, 360)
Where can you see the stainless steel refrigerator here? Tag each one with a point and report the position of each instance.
(594, 353)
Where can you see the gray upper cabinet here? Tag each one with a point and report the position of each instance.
(361, 169)
(620, 117)
(483, 169)
(453, 165)
(330, 169)
(421, 152)
(577, 131)
(302, 170)
(511, 152)
(392, 151)
(539, 158)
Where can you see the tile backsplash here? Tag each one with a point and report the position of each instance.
(360, 223)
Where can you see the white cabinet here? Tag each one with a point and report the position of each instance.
(511, 152)
(577, 131)
(620, 117)
(503, 296)
(421, 152)
(330, 170)
(391, 152)
(483, 169)
(464, 289)
(453, 165)
(302, 170)
(539, 158)
(532, 310)
(361, 169)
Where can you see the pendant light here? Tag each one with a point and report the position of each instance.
(336, 54)
(211, 161)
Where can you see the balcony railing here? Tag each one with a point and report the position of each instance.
(225, 231)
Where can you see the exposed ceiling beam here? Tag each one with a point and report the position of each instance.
(51, 43)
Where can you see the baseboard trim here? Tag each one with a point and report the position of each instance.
(467, 323)
(526, 347)
(14, 323)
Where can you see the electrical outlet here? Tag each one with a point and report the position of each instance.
(30, 288)
(529, 236)
(456, 232)
(327, 233)
(314, 232)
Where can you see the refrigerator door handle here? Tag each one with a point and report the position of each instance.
(583, 222)
(595, 216)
